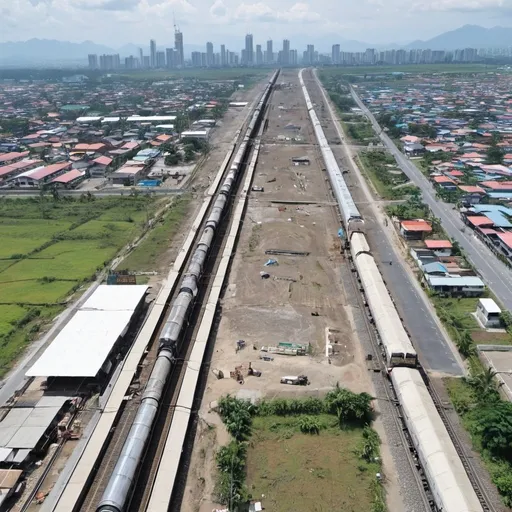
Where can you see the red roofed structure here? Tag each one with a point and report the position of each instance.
(479, 221)
(414, 229)
(69, 179)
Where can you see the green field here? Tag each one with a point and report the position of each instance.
(238, 74)
(52, 247)
(297, 471)
(409, 68)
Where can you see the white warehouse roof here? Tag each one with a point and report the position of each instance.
(150, 118)
(83, 345)
(490, 306)
(81, 348)
(115, 298)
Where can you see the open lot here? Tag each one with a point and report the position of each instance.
(285, 465)
(302, 301)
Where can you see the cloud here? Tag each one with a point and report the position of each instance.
(218, 9)
(459, 5)
(298, 13)
(109, 5)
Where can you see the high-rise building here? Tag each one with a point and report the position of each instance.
(210, 61)
(293, 58)
(178, 46)
(259, 55)
(170, 57)
(130, 62)
(335, 55)
(310, 52)
(93, 61)
(223, 60)
(244, 56)
(203, 59)
(152, 53)
(270, 52)
(108, 62)
(285, 57)
(196, 59)
(249, 50)
(146, 62)
(141, 58)
(160, 60)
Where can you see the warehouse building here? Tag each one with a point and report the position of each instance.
(27, 430)
(91, 342)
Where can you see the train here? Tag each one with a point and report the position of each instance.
(451, 488)
(121, 483)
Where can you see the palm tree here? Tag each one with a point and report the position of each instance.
(465, 344)
(484, 382)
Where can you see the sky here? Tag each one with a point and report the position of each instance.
(322, 22)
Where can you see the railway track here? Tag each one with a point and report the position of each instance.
(466, 460)
(148, 469)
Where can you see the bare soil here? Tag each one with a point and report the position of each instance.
(301, 300)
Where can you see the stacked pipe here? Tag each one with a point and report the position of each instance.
(120, 486)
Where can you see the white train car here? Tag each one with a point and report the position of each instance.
(397, 345)
(449, 483)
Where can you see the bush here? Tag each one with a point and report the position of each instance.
(309, 425)
(230, 489)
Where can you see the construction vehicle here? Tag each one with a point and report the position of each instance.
(295, 380)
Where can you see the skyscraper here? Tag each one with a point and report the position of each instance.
(259, 55)
(152, 53)
(223, 60)
(209, 55)
(141, 58)
(249, 51)
(93, 61)
(160, 60)
(335, 56)
(170, 57)
(178, 46)
(310, 54)
(196, 59)
(286, 53)
(270, 52)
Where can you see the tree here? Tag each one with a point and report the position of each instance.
(495, 154)
(172, 159)
(465, 344)
(494, 425)
(484, 384)
(348, 406)
(370, 445)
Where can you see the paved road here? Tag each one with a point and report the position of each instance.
(496, 275)
(435, 351)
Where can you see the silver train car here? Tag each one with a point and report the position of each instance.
(397, 345)
(450, 485)
(120, 486)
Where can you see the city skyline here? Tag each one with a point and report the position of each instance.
(175, 58)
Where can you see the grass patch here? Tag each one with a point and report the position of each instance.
(146, 256)
(300, 471)
(35, 292)
(243, 75)
(487, 419)
(9, 315)
(361, 132)
(380, 168)
(409, 68)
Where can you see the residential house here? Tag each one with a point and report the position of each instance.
(414, 229)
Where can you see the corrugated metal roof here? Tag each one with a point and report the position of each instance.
(455, 281)
(81, 348)
(115, 298)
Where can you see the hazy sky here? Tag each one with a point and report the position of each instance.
(116, 22)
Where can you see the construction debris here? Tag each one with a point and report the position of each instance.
(293, 280)
(285, 252)
(271, 262)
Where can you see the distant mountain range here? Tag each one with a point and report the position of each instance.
(44, 52)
